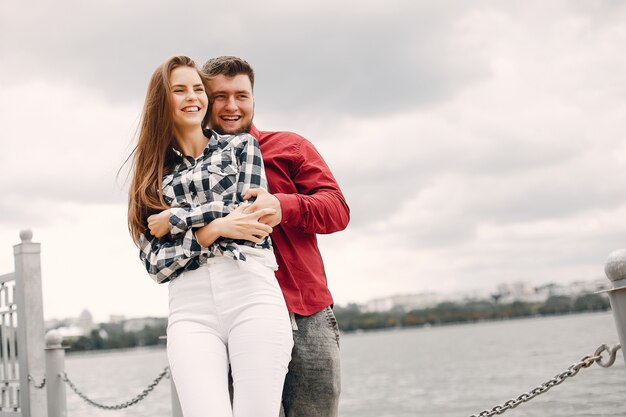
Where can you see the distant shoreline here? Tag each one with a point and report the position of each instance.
(464, 323)
(353, 318)
(93, 352)
(162, 346)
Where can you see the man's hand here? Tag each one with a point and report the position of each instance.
(237, 225)
(264, 200)
(159, 224)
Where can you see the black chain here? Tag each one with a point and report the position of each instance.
(585, 362)
(126, 404)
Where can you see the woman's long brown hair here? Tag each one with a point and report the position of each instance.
(153, 156)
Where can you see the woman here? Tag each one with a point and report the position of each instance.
(225, 304)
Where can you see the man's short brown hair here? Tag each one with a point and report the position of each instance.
(228, 66)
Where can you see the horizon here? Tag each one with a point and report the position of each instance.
(465, 296)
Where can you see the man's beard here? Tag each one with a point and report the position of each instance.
(243, 129)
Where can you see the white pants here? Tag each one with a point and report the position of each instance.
(225, 312)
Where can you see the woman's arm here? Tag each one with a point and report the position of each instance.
(164, 259)
(240, 225)
(177, 220)
(251, 174)
(236, 225)
(181, 219)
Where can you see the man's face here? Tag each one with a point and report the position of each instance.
(232, 104)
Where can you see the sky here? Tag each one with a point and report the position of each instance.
(476, 142)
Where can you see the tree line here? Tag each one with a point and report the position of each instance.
(113, 336)
(353, 318)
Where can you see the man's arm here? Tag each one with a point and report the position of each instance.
(319, 205)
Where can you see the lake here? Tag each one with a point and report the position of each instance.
(454, 370)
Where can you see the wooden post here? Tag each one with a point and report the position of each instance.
(30, 327)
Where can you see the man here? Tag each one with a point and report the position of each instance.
(308, 201)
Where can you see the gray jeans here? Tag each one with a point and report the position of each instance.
(313, 383)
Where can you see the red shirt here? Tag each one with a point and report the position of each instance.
(311, 202)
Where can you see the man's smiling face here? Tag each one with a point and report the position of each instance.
(232, 104)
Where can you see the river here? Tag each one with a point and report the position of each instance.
(446, 371)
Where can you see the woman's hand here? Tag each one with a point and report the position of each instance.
(159, 224)
(237, 225)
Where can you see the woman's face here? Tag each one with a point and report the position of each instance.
(188, 98)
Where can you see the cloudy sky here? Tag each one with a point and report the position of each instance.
(476, 142)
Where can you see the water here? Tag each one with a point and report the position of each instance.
(444, 371)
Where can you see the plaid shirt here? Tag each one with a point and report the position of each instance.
(199, 191)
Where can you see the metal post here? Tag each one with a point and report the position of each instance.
(30, 329)
(55, 368)
(176, 410)
(615, 270)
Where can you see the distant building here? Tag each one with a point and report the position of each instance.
(504, 293)
(74, 326)
(135, 325)
(468, 295)
(403, 301)
(85, 322)
(116, 318)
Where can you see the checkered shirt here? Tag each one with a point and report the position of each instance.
(199, 191)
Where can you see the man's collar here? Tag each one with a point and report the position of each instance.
(254, 131)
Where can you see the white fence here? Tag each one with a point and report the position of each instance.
(22, 357)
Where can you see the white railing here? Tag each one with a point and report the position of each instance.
(22, 360)
(32, 368)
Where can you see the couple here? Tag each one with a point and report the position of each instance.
(207, 190)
